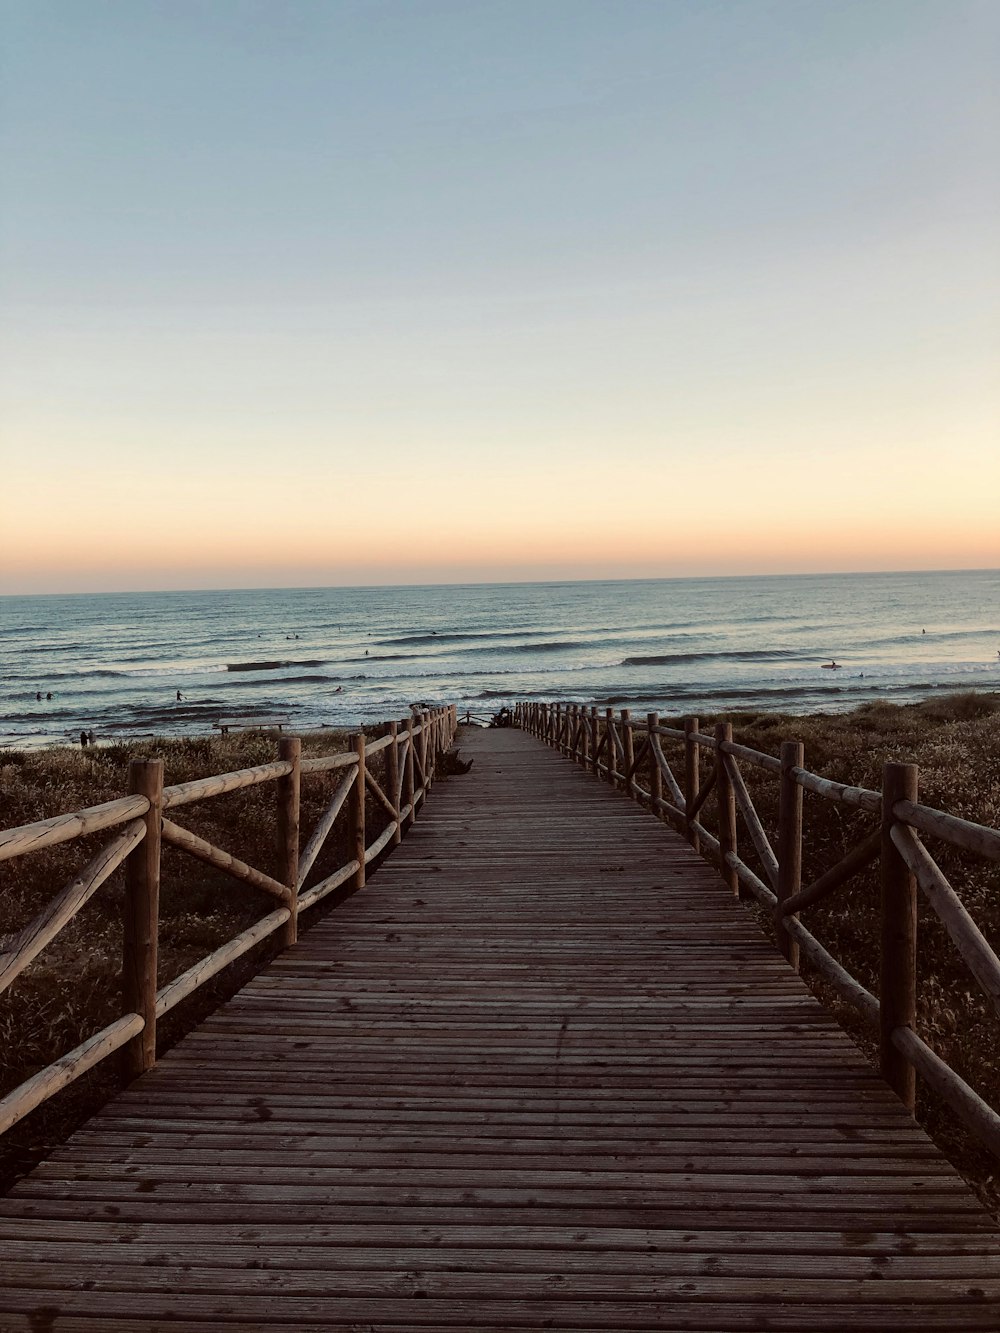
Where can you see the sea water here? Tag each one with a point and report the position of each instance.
(114, 663)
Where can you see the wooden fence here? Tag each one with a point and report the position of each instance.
(410, 751)
(621, 750)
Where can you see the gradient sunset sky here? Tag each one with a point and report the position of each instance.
(369, 291)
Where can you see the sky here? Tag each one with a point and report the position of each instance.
(376, 291)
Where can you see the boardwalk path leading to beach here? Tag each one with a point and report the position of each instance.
(542, 1073)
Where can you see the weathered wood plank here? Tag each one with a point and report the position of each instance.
(542, 1072)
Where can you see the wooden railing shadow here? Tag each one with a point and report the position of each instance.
(619, 749)
(410, 750)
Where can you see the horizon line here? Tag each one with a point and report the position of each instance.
(502, 583)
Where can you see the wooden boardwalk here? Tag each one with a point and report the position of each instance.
(542, 1073)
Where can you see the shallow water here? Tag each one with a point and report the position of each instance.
(338, 656)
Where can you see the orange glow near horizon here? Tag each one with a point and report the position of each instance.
(139, 548)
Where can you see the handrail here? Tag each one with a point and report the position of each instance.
(64, 828)
(905, 864)
(416, 740)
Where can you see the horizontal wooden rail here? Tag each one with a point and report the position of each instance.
(949, 828)
(69, 1067)
(332, 881)
(416, 742)
(904, 863)
(201, 789)
(751, 756)
(380, 843)
(188, 982)
(976, 1114)
(64, 828)
(327, 763)
(861, 797)
(846, 986)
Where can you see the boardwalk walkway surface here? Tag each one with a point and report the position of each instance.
(541, 1073)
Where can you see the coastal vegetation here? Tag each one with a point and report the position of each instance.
(72, 988)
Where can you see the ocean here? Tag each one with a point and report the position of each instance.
(114, 663)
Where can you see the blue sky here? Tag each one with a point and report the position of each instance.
(267, 264)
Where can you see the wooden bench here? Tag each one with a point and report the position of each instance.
(226, 724)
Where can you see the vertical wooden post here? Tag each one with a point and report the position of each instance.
(692, 778)
(898, 998)
(142, 918)
(655, 776)
(789, 843)
(726, 802)
(290, 750)
(409, 777)
(424, 749)
(629, 744)
(392, 776)
(584, 738)
(595, 736)
(357, 799)
(609, 752)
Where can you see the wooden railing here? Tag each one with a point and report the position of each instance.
(140, 819)
(621, 750)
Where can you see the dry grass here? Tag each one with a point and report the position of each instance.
(73, 988)
(955, 740)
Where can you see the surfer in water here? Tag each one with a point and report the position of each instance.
(831, 665)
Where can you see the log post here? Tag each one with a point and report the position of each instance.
(692, 778)
(609, 749)
(629, 747)
(898, 998)
(357, 801)
(425, 751)
(595, 729)
(409, 773)
(726, 803)
(655, 776)
(141, 919)
(290, 750)
(392, 776)
(584, 738)
(789, 843)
